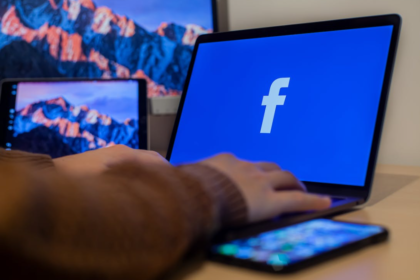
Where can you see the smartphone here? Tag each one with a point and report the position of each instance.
(61, 117)
(298, 246)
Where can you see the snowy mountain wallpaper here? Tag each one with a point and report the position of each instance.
(63, 118)
(151, 39)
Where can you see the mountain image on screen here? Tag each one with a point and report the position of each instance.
(77, 38)
(57, 128)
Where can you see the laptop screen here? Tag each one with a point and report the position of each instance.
(307, 102)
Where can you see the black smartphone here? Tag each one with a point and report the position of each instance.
(298, 246)
(61, 117)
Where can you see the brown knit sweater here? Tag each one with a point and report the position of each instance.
(132, 222)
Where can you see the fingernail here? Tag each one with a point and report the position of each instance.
(327, 200)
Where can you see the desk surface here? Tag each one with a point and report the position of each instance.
(395, 203)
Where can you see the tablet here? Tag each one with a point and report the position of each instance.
(62, 117)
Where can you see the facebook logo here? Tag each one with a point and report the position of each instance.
(271, 102)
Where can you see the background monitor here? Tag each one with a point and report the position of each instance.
(150, 39)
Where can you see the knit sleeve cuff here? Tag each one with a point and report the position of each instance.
(37, 161)
(231, 209)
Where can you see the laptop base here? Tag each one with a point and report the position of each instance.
(339, 204)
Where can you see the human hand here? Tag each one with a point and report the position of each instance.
(98, 161)
(268, 191)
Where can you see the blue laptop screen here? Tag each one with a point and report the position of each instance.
(307, 102)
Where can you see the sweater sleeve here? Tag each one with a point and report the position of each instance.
(132, 222)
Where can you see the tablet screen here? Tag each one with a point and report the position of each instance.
(61, 118)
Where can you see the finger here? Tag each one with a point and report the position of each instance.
(284, 180)
(268, 166)
(143, 156)
(295, 201)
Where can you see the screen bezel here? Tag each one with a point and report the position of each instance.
(324, 256)
(215, 15)
(7, 100)
(335, 25)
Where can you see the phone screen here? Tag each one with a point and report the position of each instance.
(293, 244)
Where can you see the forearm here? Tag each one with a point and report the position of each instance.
(132, 222)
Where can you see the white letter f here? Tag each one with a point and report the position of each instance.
(272, 101)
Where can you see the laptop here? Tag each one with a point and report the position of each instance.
(309, 97)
